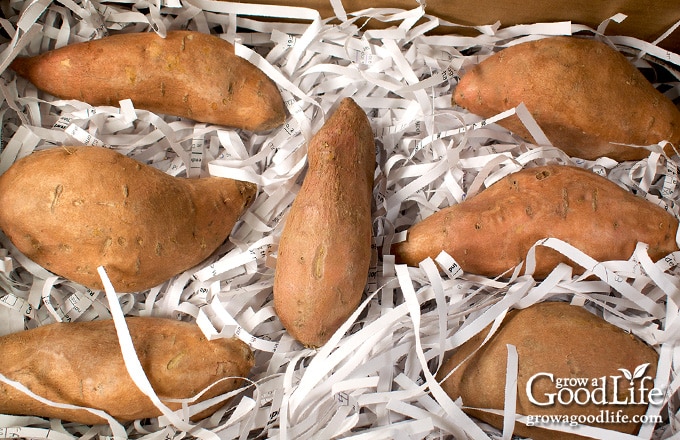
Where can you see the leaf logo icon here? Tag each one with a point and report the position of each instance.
(628, 375)
(640, 371)
(636, 374)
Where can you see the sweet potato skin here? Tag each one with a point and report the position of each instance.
(491, 232)
(72, 209)
(551, 337)
(188, 74)
(80, 363)
(586, 96)
(325, 247)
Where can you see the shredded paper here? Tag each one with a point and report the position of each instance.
(375, 378)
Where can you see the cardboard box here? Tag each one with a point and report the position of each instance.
(647, 20)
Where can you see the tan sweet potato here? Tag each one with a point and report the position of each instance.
(491, 232)
(579, 350)
(80, 363)
(325, 247)
(72, 209)
(189, 74)
(586, 96)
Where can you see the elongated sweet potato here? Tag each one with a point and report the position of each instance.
(189, 74)
(490, 233)
(586, 96)
(80, 363)
(325, 247)
(567, 356)
(72, 209)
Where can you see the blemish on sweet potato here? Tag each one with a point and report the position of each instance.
(174, 362)
(131, 74)
(318, 262)
(543, 174)
(55, 196)
(565, 202)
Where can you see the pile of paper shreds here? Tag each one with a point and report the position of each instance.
(374, 378)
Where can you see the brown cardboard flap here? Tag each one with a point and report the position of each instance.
(647, 20)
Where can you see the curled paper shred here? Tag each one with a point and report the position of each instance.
(375, 377)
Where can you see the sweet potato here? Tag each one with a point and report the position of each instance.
(580, 350)
(72, 209)
(189, 74)
(325, 247)
(491, 232)
(586, 96)
(80, 363)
